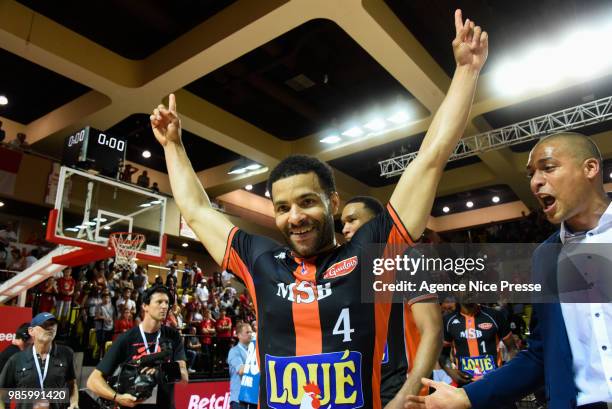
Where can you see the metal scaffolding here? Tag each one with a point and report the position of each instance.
(564, 120)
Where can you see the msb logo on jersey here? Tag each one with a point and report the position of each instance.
(471, 333)
(314, 381)
(341, 268)
(303, 292)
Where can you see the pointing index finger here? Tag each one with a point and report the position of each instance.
(458, 21)
(172, 103)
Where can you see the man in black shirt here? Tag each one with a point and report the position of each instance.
(42, 365)
(145, 339)
(22, 341)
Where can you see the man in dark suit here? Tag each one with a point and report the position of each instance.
(570, 349)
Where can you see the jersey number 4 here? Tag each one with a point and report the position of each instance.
(343, 325)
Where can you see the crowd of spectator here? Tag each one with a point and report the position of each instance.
(126, 171)
(96, 303)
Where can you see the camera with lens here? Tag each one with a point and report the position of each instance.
(134, 378)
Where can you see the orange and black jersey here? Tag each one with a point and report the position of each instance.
(475, 339)
(318, 344)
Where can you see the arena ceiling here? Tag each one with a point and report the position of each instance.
(263, 79)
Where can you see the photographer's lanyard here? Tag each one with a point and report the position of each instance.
(41, 376)
(146, 343)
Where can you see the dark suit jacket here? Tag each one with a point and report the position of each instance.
(548, 360)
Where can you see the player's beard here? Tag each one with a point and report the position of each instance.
(324, 238)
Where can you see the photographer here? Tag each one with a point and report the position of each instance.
(145, 339)
(42, 365)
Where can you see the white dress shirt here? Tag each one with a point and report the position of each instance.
(589, 325)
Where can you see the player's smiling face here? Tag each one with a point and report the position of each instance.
(304, 213)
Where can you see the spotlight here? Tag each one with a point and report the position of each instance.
(446, 209)
(1, 204)
(376, 124)
(249, 187)
(470, 204)
(331, 139)
(185, 245)
(353, 132)
(267, 193)
(495, 199)
(399, 117)
(146, 154)
(3, 100)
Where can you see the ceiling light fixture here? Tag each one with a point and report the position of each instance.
(331, 139)
(376, 124)
(185, 245)
(399, 117)
(353, 132)
(546, 64)
(3, 100)
(267, 193)
(244, 166)
(249, 187)
(1, 204)
(146, 154)
(495, 199)
(446, 209)
(470, 204)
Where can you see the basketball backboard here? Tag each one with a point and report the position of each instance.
(88, 208)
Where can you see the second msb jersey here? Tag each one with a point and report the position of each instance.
(475, 339)
(318, 344)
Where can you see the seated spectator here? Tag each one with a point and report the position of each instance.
(143, 179)
(193, 348)
(155, 188)
(19, 142)
(124, 323)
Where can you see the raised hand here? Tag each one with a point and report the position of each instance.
(166, 123)
(445, 397)
(471, 44)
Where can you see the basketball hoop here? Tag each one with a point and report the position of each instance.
(126, 246)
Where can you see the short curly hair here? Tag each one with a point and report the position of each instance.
(302, 164)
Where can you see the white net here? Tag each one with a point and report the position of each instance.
(126, 247)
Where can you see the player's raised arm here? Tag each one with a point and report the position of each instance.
(416, 189)
(211, 227)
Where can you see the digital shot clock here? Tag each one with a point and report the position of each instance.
(90, 148)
